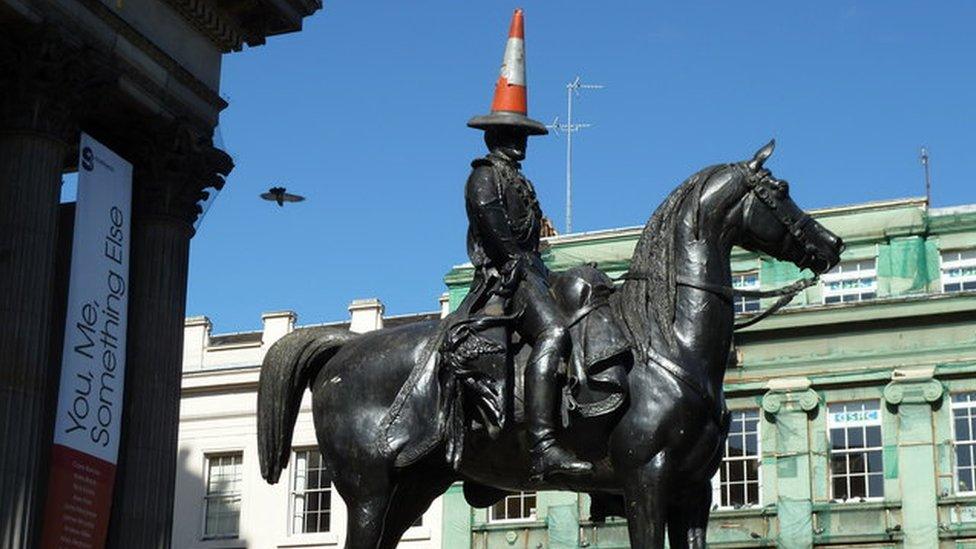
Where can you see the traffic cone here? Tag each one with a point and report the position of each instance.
(509, 107)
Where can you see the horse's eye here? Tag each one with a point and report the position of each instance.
(783, 187)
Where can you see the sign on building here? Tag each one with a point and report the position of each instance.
(87, 425)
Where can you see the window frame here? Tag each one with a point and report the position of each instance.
(960, 263)
(717, 487)
(953, 406)
(832, 276)
(293, 495)
(737, 300)
(208, 457)
(848, 451)
(533, 514)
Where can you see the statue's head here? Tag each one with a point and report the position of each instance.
(510, 141)
(775, 225)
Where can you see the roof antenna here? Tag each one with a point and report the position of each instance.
(572, 89)
(924, 157)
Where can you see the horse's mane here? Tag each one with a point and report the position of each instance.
(647, 297)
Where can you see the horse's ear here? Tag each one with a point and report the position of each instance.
(761, 155)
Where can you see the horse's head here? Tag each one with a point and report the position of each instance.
(773, 224)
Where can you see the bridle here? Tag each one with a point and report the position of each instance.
(795, 229)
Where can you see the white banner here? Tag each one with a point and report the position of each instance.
(93, 364)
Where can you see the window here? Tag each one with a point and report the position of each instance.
(850, 281)
(516, 507)
(223, 500)
(964, 437)
(311, 496)
(745, 281)
(737, 482)
(959, 271)
(856, 471)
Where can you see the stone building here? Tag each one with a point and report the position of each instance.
(142, 77)
(854, 409)
(221, 499)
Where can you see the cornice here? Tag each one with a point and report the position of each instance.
(220, 28)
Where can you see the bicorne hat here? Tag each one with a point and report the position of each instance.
(509, 107)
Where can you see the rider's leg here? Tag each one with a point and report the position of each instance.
(544, 326)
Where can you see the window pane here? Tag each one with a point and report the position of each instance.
(840, 488)
(855, 426)
(858, 488)
(311, 493)
(876, 486)
(519, 506)
(739, 472)
(222, 507)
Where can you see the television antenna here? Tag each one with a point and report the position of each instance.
(924, 157)
(572, 89)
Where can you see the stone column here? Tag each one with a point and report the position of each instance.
(790, 401)
(914, 392)
(42, 80)
(170, 174)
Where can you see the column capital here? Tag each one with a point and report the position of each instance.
(789, 394)
(913, 386)
(50, 83)
(174, 166)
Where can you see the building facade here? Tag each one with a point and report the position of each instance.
(143, 78)
(853, 409)
(221, 499)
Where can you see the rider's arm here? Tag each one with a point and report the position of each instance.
(486, 209)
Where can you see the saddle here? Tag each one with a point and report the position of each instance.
(472, 372)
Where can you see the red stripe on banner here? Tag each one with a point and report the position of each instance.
(79, 500)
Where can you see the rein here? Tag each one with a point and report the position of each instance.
(785, 293)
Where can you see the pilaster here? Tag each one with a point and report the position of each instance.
(913, 392)
(789, 401)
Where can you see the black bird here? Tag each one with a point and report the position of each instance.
(278, 194)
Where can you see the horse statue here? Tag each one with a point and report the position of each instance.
(654, 456)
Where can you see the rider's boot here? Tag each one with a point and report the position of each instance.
(548, 457)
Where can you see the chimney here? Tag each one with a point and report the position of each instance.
(196, 337)
(445, 302)
(366, 315)
(277, 324)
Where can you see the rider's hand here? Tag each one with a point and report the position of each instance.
(511, 275)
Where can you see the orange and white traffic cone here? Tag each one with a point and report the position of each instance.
(509, 107)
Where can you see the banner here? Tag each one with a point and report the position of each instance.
(89, 417)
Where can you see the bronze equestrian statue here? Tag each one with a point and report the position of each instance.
(402, 413)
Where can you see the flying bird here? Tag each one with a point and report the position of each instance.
(278, 194)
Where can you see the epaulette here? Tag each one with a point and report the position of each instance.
(479, 162)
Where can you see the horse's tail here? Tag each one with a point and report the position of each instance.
(289, 367)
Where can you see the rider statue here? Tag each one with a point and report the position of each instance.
(505, 221)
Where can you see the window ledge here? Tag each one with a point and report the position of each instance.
(221, 543)
(969, 498)
(753, 511)
(842, 506)
(509, 525)
(308, 540)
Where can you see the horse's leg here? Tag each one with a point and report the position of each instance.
(646, 497)
(367, 493)
(412, 496)
(688, 518)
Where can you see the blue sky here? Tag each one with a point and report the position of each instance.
(364, 113)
